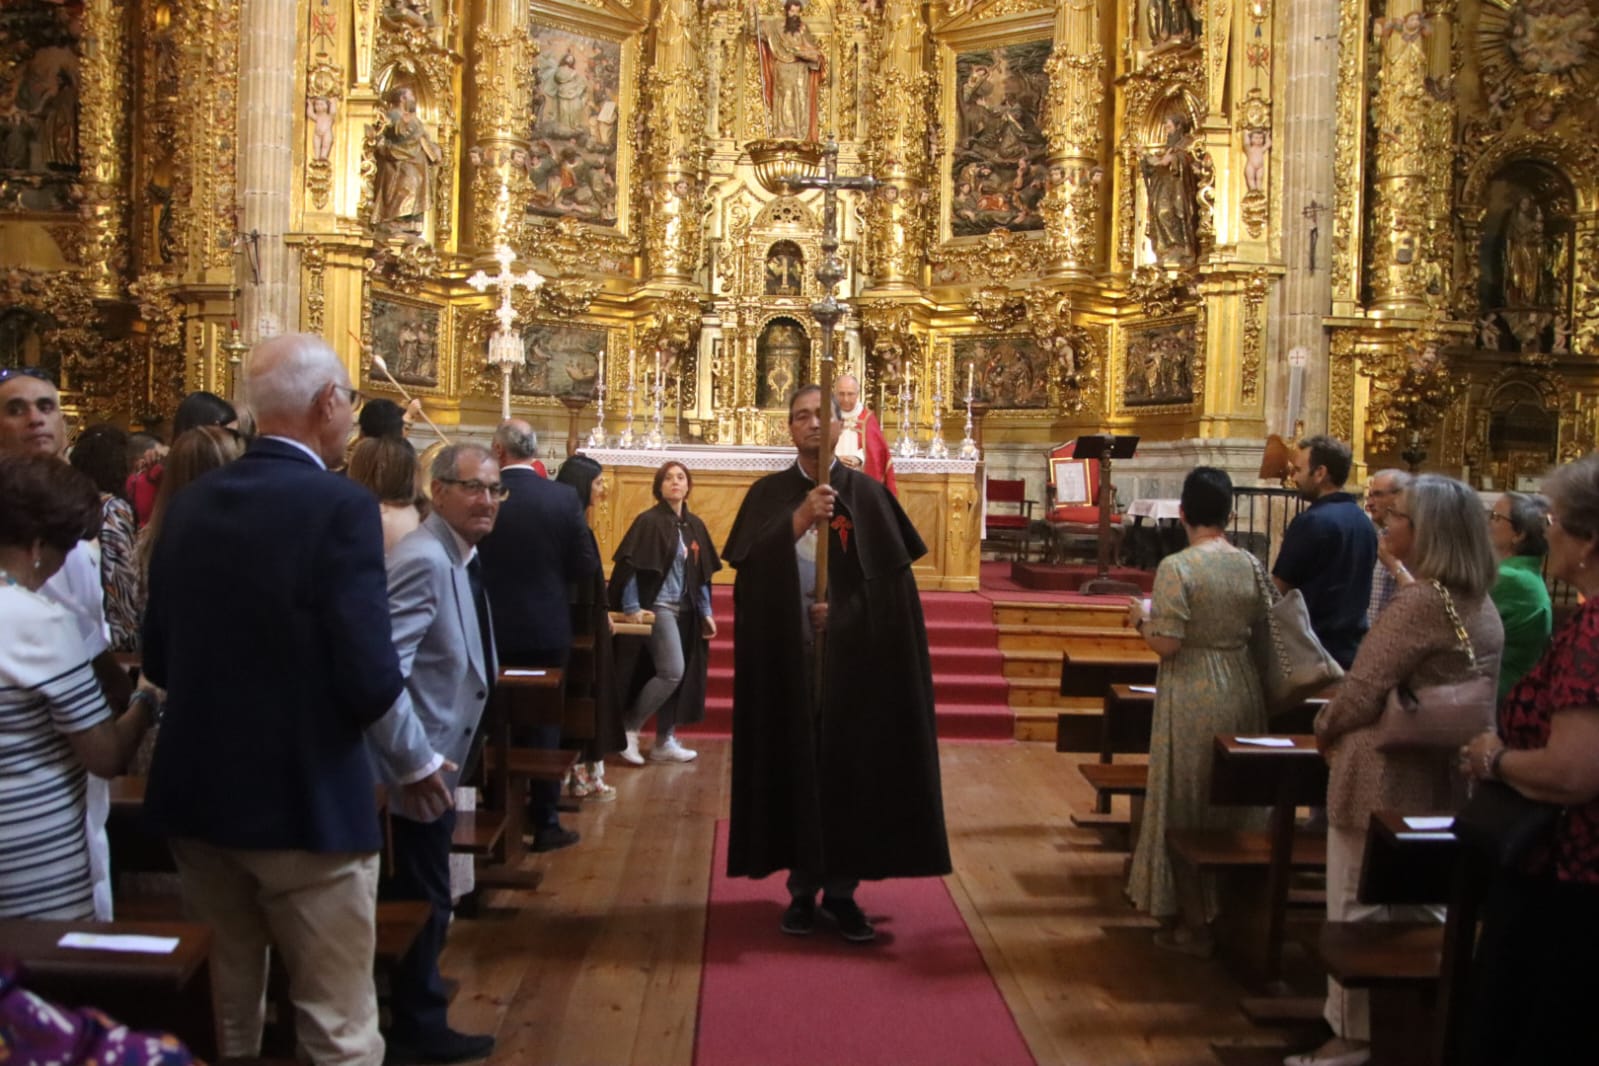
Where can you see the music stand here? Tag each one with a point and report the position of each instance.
(1104, 448)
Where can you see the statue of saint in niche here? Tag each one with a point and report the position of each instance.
(405, 155)
(785, 269)
(792, 68)
(1171, 22)
(1170, 191)
(1524, 252)
(780, 357)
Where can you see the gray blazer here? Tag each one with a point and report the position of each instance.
(441, 655)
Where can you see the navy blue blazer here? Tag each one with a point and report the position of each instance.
(539, 547)
(268, 625)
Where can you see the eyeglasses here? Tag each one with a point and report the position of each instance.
(9, 372)
(497, 491)
(354, 394)
(1495, 516)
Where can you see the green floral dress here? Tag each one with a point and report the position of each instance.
(1209, 597)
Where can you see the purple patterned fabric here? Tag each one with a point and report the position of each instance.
(36, 1032)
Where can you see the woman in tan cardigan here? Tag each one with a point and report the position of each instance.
(1436, 532)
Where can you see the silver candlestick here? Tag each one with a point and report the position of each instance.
(655, 439)
(968, 443)
(596, 437)
(629, 439)
(905, 446)
(936, 448)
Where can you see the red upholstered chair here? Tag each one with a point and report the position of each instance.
(1008, 517)
(1073, 505)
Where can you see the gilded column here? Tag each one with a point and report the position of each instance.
(1406, 116)
(267, 94)
(1076, 97)
(675, 88)
(503, 51)
(896, 149)
(103, 147)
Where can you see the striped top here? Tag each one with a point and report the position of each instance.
(47, 691)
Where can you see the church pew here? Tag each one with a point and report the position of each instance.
(1282, 779)
(521, 697)
(163, 992)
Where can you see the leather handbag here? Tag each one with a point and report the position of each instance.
(1501, 824)
(1440, 717)
(1292, 663)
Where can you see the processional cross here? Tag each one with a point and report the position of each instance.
(505, 346)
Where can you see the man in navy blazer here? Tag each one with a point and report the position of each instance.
(268, 625)
(539, 548)
(446, 646)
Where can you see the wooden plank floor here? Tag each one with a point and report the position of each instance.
(601, 965)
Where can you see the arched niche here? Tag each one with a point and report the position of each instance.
(785, 269)
(1523, 431)
(782, 360)
(1524, 258)
(22, 342)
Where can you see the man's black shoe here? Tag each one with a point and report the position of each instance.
(555, 838)
(852, 922)
(800, 917)
(441, 1047)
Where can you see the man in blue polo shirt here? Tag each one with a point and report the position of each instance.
(1329, 550)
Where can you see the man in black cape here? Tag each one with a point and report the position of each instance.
(842, 785)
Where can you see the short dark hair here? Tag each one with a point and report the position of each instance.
(46, 500)
(381, 418)
(1331, 453)
(1207, 497)
(660, 476)
(101, 452)
(202, 409)
(1529, 521)
(580, 472)
(806, 390)
(387, 466)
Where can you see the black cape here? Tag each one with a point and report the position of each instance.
(850, 788)
(591, 617)
(647, 552)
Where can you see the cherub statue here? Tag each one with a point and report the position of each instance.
(1257, 147)
(319, 112)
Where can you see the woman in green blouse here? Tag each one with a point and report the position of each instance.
(1516, 525)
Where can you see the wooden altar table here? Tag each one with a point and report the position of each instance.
(941, 496)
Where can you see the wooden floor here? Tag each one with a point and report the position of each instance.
(601, 965)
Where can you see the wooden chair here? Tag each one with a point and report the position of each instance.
(1072, 505)
(1014, 528)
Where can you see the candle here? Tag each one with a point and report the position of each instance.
(599, 374)
(632, 364)
(969, 367)
(658, 384)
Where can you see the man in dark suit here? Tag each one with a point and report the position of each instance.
(442, 632)
(539, 548)
(268, 625)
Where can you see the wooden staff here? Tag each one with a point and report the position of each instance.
(824, 466)
(383, 368)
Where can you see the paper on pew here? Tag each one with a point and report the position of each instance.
(524, 673)
(1141, 688)
(1425, 836)
(1266, 742)
(1429, 822)
(145, 945)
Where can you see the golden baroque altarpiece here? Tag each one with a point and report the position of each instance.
(1080, 209)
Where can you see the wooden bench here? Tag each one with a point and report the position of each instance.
(1282, 779)
(163, 992)
(521, 697)
(1116, 779)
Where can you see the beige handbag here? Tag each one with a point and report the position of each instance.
(1440, 717)
(1293, 665)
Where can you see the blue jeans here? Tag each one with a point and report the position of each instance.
(666, 652)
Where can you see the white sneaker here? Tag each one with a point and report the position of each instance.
(630, 754)
(669, 750)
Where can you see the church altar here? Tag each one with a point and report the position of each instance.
(940, 495)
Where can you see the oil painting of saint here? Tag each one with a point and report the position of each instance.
(997, 171)
(1159, 366)
(561, 361)
(39, 103)
(407, 337)
(577, 90)
(1006, 370)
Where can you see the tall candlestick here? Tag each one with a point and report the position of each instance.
(628, 439)
(969, 369)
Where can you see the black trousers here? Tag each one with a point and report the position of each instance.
(418, 1001)
(1532, 1001)
(542, 796)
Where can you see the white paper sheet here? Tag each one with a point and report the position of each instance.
(1429, 822)
(524, 673)
(1142, 688)
(145, 945)
(1266, 742)
(1425, 836)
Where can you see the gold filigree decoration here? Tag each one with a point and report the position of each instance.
(999, 256)
(1348, 188)
(1074, 359)
(163, 312)
(314, 259)
(1412, 385)
(566, 298)
(893, 347)
(1341, 367)
(96, 374)
(1161, 293)
(323, 81)
(574, 248)
(1254, 334)
(673, 329)
(403, 266)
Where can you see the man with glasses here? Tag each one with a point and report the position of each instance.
(445, 642)
(1389, 574)
(539, 549)
(32, 423)
(268, 625)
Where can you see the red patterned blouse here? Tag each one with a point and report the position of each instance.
(1567, 676)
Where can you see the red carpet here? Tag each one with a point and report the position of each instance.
(970, 694)
(920, 994)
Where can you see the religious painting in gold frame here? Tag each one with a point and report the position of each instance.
(1160, 365)
(1007, 370)
(413, 335)
(562, 360)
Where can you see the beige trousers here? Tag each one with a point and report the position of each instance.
(1348, 1011)
(319, 911)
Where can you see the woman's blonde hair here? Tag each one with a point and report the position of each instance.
(387, 466)
(1451, 539)
(196, 451)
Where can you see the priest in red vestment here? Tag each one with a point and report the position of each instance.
(861, 445)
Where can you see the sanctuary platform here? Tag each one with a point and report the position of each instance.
(941, 496)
